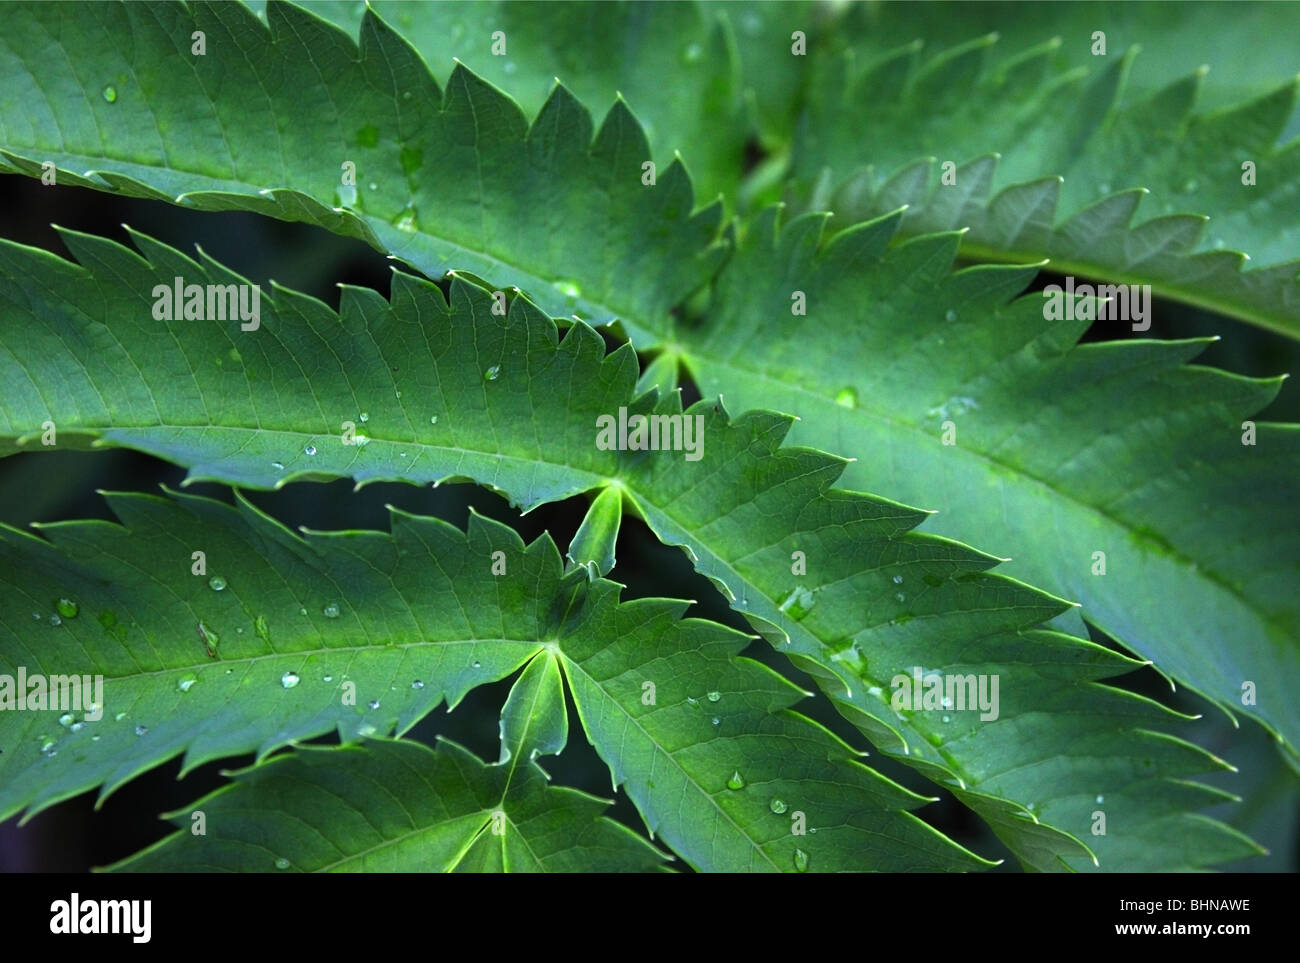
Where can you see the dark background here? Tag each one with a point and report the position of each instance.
(53, 486)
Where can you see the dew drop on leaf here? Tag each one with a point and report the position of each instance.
(141, 730)
(847, 397)
(477, 663)
(406, 220)
(417, 684)
(217, 583)
(55, 620)
(800, 861)
(692, 53)
(67, 608)
(281, 863)
(328, 678)
(433, 419)
(373, 703)
(777, 806)
(737, 781)
(65, 720)
(119, 717)
(331, 610)
(716, 721)
(186, 682)
(309, 450)
(277, 466)
(714, 696)
(110, 94)
(290, 679)
(1101, 799)
(492, 373)
(364, 416)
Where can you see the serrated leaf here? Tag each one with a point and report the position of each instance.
(741, 510)
(953, 395)
(394, 806)
(408, 621)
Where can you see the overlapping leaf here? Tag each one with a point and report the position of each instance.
(1140, 177)
(365, 632)
(517, 410)
(394, 807)
(1056, 451)
(445, 178)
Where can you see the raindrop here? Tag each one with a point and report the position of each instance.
(777, 806)
(141, 730)
(94, 738)
(714, 696)
(186, 683)
(477, 663)
(277, 466)
(847, 397)
(281, 863)
(65, 720)
(492, 373)
(898, 580)
(331, 610)
(510, 67)
(55, 620)
(110, 94)
(717, 721)
(692, 53)
(433, 419)
(67, 608)
(373, 186)
(36, 616)
(46, 744)
(406, 95)
(1189, 186)
(737, 781)
(364, 416)
(328, 678)
(217, 583)
(947, 718)
(373, 703)
(900, 596)
(119, 717)
(290, 679)
(800, 861)
(77, 726)
(1101, 799)
(310, 450)
(417, 684)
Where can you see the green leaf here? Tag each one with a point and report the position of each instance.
(386, 807)
(674, 65)
(594, 542)
(742, 510)
(1139, 177)
(445, 177)
(363, 633)
(1062, 450)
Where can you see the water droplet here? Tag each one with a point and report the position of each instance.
(691, 700)
(346, 195)
(477, 664)
(406, 95)
(798, 603)
(65, 720)
(217, 583)
(119, 717)
(281, 863)
(186, 682)
(141, 730)
(373, 186)
(364, 416)
(290, 679)
(568, 288)
(366, 730)
(800, 861)
(55, 620)
(433, 419)
(737, 781)
(900, 596)
(407, 220)
(1101, 799)
(94, 738)
(331, 610)
(777, 806)
(714, 696)
(110, 94)
(898, 580)
(310, 450)
(67, 608)
(847, 397)
(950, 315)
(328, 678)
(692, 53)
(373, 703)
(947, 718)
(46, 743)
(36, 616)
(77, 726)
(302, 611)
(277, 466)
(417, 684)
(492, 373)
(716, 721)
